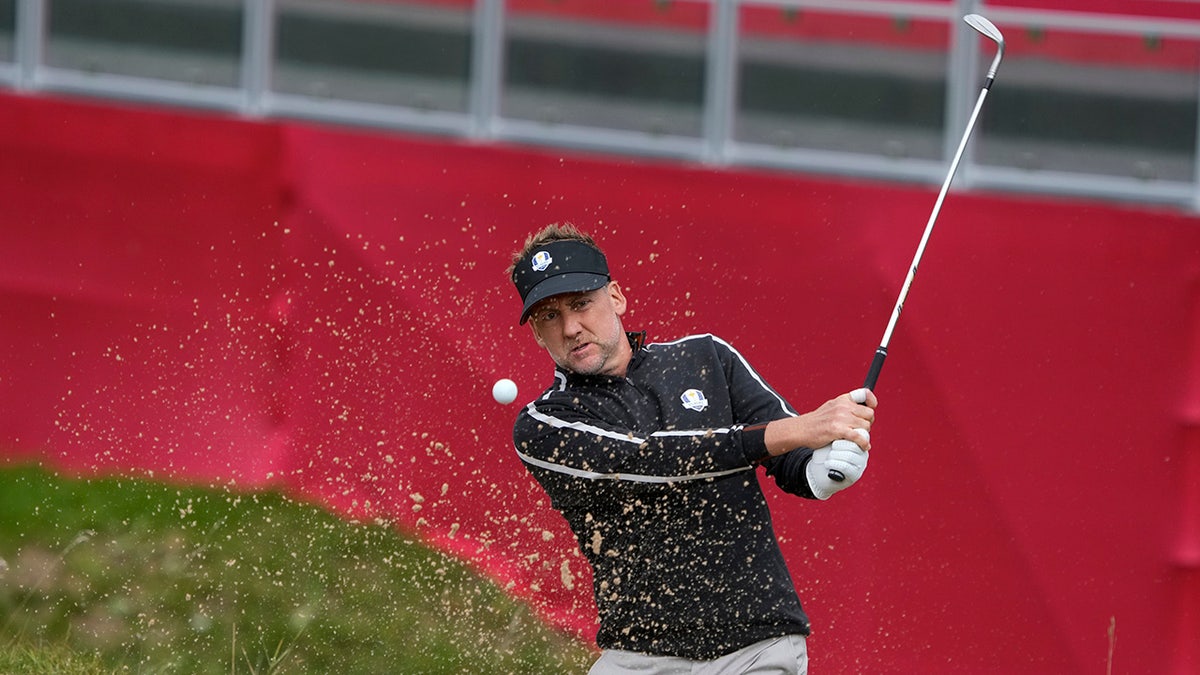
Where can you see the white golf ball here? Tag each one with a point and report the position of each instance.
(504, 391)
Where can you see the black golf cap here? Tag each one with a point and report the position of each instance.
(564, 266)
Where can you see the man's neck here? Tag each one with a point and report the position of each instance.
(636, 340)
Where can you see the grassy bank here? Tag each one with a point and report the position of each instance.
(128, 575)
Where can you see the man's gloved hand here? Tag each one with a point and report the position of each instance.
(841, 455)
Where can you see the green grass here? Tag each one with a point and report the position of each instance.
(119, 575)
(42, 658)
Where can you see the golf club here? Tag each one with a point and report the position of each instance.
(989, 30)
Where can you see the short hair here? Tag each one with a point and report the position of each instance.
(552, 232)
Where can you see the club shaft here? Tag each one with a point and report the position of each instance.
(881, 351)
(933, 216)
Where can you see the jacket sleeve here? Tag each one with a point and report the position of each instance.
(790, 472)
(755, 402)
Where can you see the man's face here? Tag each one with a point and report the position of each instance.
(583, 332)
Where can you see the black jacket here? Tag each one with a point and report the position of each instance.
(655, 474)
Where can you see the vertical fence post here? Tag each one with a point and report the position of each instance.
(720, 81)
(487, 66)
(30, 42)
(258, 48)
(962, 72)
(1196, 155)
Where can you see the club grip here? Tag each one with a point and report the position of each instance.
(876, 366)
(872, 377)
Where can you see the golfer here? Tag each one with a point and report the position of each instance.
(650, 452)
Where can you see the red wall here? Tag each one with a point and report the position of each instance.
(325, 310)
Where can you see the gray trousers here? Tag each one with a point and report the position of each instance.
(786, 655)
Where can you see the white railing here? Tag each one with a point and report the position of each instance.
(715, 143)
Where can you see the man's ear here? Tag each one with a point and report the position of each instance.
(618, 298)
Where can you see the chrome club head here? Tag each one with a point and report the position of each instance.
(988, 30)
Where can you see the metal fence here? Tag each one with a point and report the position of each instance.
(1085, 104)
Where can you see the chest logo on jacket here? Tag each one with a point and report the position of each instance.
(693, 399)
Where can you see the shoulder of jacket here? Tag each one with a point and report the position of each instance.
(687, 340)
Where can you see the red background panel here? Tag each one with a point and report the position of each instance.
(323, 310)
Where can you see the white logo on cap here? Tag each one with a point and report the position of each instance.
(541, 260)
(693, 399)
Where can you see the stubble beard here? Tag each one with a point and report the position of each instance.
(597, 363)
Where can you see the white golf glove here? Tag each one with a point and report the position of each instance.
(841, 455)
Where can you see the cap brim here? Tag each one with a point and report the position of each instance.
(571, 282)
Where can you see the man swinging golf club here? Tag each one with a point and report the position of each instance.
(650, 452)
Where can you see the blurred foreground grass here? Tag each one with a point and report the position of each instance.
(128, 575)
